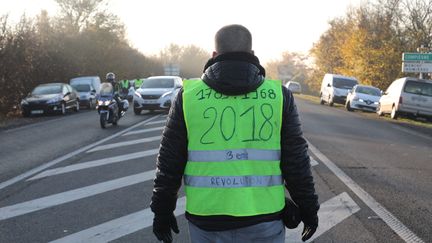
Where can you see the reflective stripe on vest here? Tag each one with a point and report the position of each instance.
(233, 163)
(232, 181)
(234, 154)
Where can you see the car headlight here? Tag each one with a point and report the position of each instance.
(138, 94)
(376, 102)
(54, 100)
(167, 94)
(361, 100)
(24, 102)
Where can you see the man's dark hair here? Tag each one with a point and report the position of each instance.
(233, 38)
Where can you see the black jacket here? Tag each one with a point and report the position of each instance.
(233, 74)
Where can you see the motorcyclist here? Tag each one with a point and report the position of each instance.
(110, 77)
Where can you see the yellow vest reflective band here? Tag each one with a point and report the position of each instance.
(124, 84)
(233, 163)
(138, 83)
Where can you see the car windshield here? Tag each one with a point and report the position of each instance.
(421, 88)
(293, 85)
(344, 83)
(47, 89)
(82, 87)
(368, 91)
(106, 89)
(158, 83)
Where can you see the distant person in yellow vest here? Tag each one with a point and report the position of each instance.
(138, 83)
(235, 140)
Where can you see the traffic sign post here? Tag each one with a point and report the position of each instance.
(417, 63)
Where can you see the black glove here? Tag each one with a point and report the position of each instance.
(162, 226)
(310, 221)
(291, 214)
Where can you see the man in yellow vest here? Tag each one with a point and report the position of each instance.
(234, 138)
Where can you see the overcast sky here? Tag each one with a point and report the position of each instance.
(276, 26)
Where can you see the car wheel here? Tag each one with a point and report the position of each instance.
(63, 108)
(77, 106)
(394, 114)
(137, 111)
(321, 100)
(330, 101)
(348, 106)
(379, 111)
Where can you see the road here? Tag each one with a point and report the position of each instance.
(67, 180)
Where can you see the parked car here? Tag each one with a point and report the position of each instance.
(50, 98)
(294, 86)
(334, 88)
(87, 94)
(408, 96)
(94, 81)
(156, 93)
(363, 97)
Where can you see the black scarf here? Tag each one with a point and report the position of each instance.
(236, 56)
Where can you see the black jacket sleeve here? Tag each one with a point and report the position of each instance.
(171, 160)
(295, 161)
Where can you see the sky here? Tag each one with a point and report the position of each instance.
(276, 25)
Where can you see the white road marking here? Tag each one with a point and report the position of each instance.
(157, 122)
(331, 213)
(313, 162)
(123, 144)
(397, 226)
(144, 131)
(117, 228)
(95, 163)
(72, 195)
(69, 155)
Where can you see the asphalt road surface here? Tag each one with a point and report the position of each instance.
(67, 180)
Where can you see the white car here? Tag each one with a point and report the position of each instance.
(363, 97)
(295, 87)
(156, 93)
(407, 96)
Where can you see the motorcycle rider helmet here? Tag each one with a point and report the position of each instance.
(110, 77)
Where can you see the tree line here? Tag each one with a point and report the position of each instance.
(82, 39)
(366, 43)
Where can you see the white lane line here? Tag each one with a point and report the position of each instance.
(72, 195)
(313, 162)
(331, 213)
(397, 226)
(156, 122)
(123, 144)
(95, 163)
(119, 227)
(144, 131)
(69, 155)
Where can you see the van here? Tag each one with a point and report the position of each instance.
(408, 96)
(334, 88)
(93, 81)
(88, 89)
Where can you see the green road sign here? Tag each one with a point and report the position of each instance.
(417, 57)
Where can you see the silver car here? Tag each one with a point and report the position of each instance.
(156, 93)
(363, 97)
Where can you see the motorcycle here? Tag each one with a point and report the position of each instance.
(108, 108)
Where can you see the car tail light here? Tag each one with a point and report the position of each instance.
(400, 100)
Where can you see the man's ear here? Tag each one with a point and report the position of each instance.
(214, 54)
